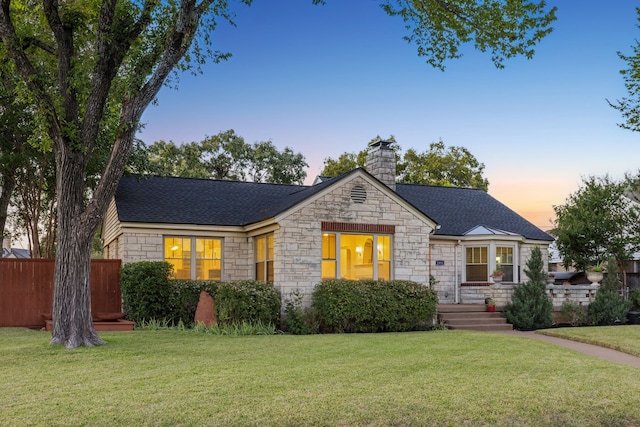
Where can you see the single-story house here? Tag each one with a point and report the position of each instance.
(360, 225)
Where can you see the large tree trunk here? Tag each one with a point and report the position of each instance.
(71, 313)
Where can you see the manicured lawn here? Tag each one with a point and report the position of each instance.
(624, 338)
(423, 378)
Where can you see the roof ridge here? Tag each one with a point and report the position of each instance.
(440, 186)
(191, 178)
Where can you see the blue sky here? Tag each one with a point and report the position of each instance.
(324, 80)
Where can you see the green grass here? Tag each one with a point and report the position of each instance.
(622, 338)
(167, 378)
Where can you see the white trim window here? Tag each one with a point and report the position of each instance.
(194, 258)
(504, 262)
(356, 256)
(482, 259)
(477, 263)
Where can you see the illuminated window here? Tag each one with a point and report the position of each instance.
(477, 264)
(356, 256)
(504, 262)
(384, 257)
(193, 258)
(329, 261)
(264, 258)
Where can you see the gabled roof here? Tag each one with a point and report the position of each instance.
(172, 200)
(175, 200)
(461, 210)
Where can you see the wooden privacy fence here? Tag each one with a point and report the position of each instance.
(633, 280)
(26, 290)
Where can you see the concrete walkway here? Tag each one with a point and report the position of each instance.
(588, 349)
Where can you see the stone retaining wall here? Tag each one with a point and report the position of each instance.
(475, 293)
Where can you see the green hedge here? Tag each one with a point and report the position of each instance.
(247, 300)
(148, 293)
(373, 306)
(634, 297)
(145, 290)
(184, 297)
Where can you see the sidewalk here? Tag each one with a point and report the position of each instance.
(588, 349)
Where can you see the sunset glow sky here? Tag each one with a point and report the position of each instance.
(325, 80)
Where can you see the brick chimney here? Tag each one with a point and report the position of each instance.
(381, 162)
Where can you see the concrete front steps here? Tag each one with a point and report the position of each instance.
(472, 317)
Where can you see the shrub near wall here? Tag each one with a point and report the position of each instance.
(373, 306)
(184, 297)
(247, 300)
(145, 290)
(148, 294)
(234, 302)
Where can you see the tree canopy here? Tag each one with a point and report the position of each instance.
(439, 165)
(598, 221)
(227, 156)
(88, 70)
(629, 106)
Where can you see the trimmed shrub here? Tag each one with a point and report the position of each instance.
(248, 301)
(530, 307)
(573, 314)
(299, 320)
(145, 290)
(634, 297)
(373, 306)
(609, 308)
(184, 297)
(149, 295)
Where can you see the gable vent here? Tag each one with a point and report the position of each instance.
(358, 194)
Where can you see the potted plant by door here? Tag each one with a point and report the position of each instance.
(491, 304)
(595, 275)
(497, 276)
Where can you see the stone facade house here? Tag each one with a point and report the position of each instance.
(361, 225)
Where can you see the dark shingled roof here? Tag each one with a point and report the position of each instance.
(209, 202)
(203, 201)
(459, 210)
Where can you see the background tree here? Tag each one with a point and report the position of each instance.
(349, 161)
(596, 222)
(35, 202)
(629, 106)
(227, 156)
(439, 165)
(530, 308)
(15, 130)
(90, 69)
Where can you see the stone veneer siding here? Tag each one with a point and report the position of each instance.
(450, 274)
(298, 241)
(141, 246)
(381, 163)
(445, 275)
(237, 251)
(581, 295)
